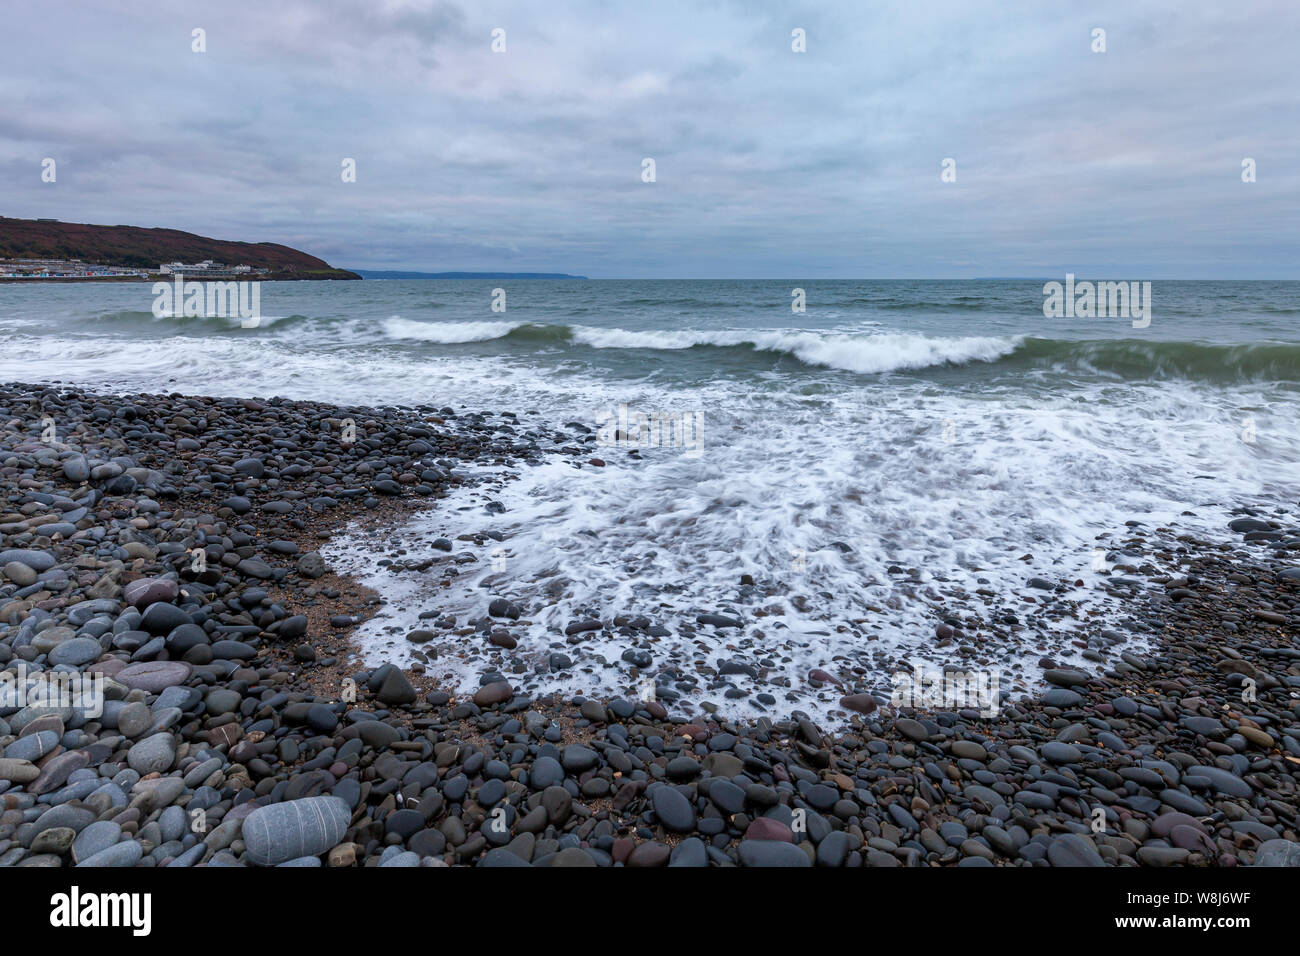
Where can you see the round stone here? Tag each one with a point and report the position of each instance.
(673, 810)
(154, 754)
(154, 676)
(20, 574)
(134, 719)
(140, 594)
(74, 653)
(285, 831)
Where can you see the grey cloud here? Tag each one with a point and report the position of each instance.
(769, 162)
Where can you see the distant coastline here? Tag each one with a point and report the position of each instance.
(144, 252)
(380, 274)
(96, 280)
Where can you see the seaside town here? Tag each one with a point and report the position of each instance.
(77, 269)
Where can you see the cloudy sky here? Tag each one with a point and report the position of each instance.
(769, 163)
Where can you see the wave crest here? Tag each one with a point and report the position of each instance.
(880, 353)
(447, 333)
(866, 354)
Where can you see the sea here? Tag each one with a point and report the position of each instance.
(874, 455)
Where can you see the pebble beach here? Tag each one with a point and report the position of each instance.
(187, 555)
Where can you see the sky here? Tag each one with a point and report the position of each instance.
(768, 163)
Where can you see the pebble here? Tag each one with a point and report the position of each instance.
(283, 831)
(154, 754)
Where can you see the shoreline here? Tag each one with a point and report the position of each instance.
(1184, 770)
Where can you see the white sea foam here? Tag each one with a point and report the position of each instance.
(447, 333)
(852, 352)
(959, 490)
(867, 354)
